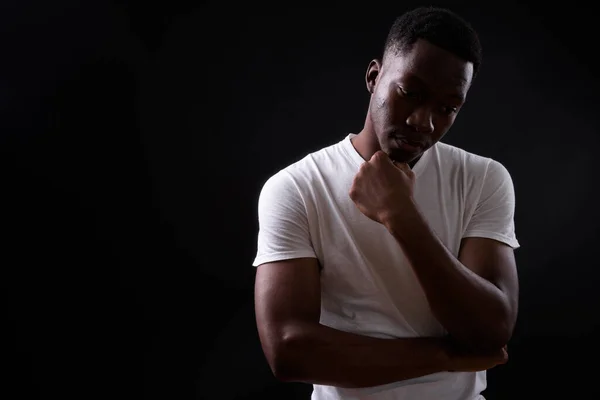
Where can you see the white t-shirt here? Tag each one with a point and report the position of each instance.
(367, 285)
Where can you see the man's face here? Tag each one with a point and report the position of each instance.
(415, 98)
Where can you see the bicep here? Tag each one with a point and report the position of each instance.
(489, 240)
(287, 295)
(495, 262)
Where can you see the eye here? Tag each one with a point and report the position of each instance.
(449, 110)
(408, 93)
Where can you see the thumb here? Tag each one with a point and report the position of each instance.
(379, 155)
(401, 166)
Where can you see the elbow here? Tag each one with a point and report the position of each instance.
(493, 338)
(496, 333)
(503, 325)
(504, 334)
(502, 331)
(487, 337)
(282, 368)
(285, 359)
(482, 343)
(494, 341)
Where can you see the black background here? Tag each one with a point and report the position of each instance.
(135, 139)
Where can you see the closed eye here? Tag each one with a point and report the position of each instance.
(449, 109)
(408, 93)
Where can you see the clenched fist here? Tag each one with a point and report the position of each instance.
(381, 187)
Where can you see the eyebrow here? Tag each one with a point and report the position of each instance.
(457, 97)
(410, 76)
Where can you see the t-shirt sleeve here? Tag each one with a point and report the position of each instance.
(283, 222)
(493, 217)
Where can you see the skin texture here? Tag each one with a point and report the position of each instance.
(415, 96)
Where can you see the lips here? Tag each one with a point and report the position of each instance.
(409, 144)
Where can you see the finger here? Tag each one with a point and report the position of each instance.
(379, 155)
(401, 166)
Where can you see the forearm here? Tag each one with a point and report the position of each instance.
(318, 354)
(473, 310)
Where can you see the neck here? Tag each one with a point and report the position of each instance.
(366, 143)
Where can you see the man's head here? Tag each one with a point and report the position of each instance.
(430, 58)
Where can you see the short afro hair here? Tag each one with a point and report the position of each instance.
(439, 26)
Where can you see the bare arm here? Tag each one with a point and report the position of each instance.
(299, 348)
(474, 296)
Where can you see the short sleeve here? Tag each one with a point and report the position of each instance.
(493, 217)
(283, 222)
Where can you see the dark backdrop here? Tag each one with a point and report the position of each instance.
(135, 138)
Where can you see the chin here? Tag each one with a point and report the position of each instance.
(401, 156)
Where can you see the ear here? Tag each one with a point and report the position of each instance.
(372, 74)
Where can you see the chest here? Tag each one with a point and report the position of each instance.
(336, 224)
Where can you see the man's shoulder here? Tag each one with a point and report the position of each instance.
(315, 160)
(464, 159)
(452, 152)
(477, 166)
(308, 165)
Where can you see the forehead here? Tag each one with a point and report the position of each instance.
(434, 66)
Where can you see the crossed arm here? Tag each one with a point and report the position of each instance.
(473, 295)
(299, 348)
(478, 313)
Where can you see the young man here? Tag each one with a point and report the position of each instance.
(385, 261)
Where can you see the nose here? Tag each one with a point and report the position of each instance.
(421, 120)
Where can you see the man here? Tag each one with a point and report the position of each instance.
(385, 261)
